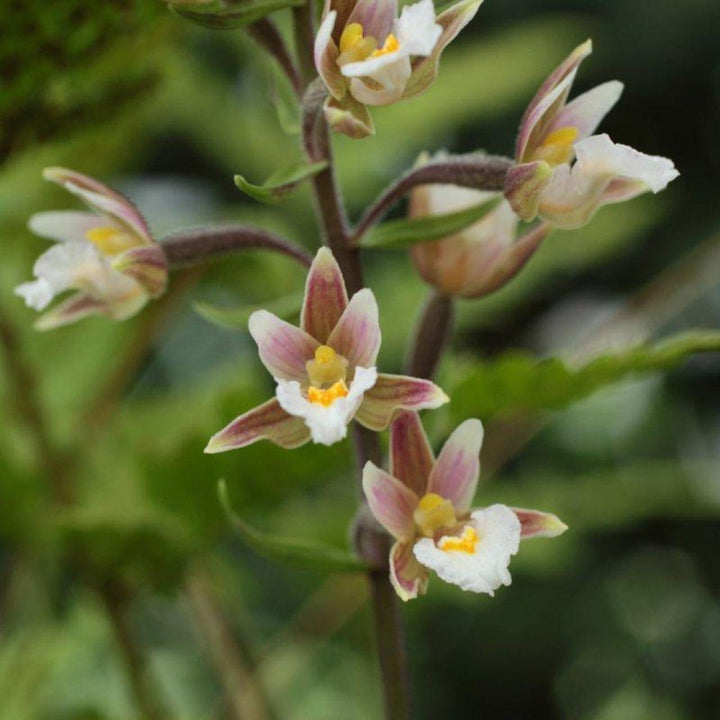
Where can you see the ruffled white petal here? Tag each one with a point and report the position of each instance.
(78, 265)
(574, 194)
(327, 425)
(416, 29)
(486, 569)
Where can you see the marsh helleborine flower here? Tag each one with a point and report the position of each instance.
(324, 370)
(424, 504)
(367, 55)
(482, 257)
(108, 256)
(564, 173)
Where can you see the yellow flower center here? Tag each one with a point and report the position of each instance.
(356, 47)
(327, 397)
(432, 513)
(557, 147)
(110, 240)
(466, 542)
(327, 372)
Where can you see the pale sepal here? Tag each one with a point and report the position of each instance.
(349, 117)
(407, 576)
(524, 185)
(357, 334)
(535, 523)
(75, 308)
(392, 393)
(264, 422)
(424, 69)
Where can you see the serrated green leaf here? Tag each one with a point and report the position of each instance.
(281, 184)
(298, 552)
(402, 233)
(229, 14)
(519, 381)
(236, 318)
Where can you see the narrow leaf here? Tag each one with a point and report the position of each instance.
(519, 381)
(402, 233)
(281, 184)
(299, 552)
(229, 14)
(236, 318)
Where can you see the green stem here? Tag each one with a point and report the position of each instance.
(304, 29)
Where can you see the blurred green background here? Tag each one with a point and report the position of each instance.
(617, 620)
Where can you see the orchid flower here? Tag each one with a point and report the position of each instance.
(424, 503)
(367, 55)
(482, 257)
(564, 173)
(107, 256)
(325, 370)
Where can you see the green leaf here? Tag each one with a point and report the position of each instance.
(298, 552)
(229, 14)
(402, 233)
(236, 318)
(519, 381)
(281, 184)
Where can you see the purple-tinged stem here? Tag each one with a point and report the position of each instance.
(480, 172)
(190, 247)
(431, 336)
(266, 34)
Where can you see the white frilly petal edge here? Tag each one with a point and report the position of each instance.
(485, 570)
(416, 28)
(327, 425)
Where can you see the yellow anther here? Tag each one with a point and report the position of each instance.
(390, 45)
(326, 368)
(557, 147)
(432, 513)
(110, 240)
(466, 542)
(324, 355)
(329, 396)
(351, 35)
(354, 47)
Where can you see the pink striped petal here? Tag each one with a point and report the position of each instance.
(411, 457)
(390, 501)
(63, 225)
(407, 576)
(357, 334)
(148, 265)
(548, 100)
(392, 393)
(325, 296)
(284, 349)
(102, 199)
(376, 17)
(265, 422)
(587, 111)
(75, 308)
(524, 185)
(457, 469)
(535, 523)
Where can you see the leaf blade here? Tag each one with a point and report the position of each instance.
(281, 184)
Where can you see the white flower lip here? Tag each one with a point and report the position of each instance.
(486, 569)
(327, 424)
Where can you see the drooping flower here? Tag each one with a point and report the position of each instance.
(564, 173)
(107, 256)
(424, 503)
(325, 370)
(367, 55)
(482, 257)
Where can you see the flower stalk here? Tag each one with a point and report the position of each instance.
(433, 331)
